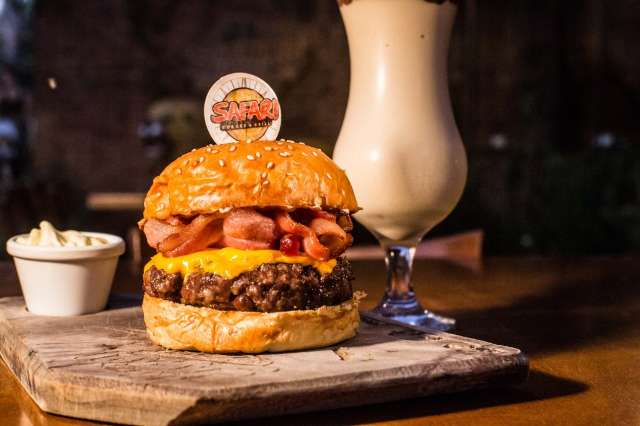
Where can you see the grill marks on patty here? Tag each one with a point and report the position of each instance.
(272, 287)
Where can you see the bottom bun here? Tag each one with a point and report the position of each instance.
(186, 327)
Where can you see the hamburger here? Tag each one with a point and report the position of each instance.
(250, 237)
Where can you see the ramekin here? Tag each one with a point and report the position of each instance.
(65, 281)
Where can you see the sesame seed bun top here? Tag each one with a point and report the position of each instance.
(216, 178)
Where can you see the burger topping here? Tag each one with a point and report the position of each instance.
(241, 244)
(331, 235)
(202, 232)
(318, 234)
(310, 240)
(229, 262)
(290, 244)
(246, 229)
(156, 231)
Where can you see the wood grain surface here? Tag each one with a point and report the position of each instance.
(577, 319)
(103, 367)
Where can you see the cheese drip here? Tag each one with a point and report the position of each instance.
(230, 262)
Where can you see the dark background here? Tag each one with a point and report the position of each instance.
(98, 95)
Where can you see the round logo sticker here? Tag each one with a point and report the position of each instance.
(240, 107)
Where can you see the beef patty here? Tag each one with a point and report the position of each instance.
(272, 287)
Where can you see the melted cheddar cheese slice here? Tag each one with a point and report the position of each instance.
(230, 262)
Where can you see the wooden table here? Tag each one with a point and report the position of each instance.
(577, 319)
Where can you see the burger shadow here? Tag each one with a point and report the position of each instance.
(539, 386)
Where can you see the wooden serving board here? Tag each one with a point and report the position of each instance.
(102, 367)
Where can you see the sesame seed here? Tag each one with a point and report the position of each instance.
(265, 182)
(268, 148)
(232, 148)
(282, 139)
(258, 155)
(290, 147)
(161, 206)
(201, 159)
(214, 151)
(263, 175)
(193, 149)
(280, 143)
(270, 165)
(329, 176)
(157, 194)
(221, 162)
(285, 154)
(208, 149)
(178, 171)
(304, 154)
(249, 140)
(256, 188)
(315, 154)
(186, 163)
(250, 157)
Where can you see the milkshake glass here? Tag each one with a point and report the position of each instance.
(399, 142)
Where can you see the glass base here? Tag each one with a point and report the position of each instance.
(410, 311)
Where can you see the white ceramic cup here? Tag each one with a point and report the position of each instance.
(65, 281)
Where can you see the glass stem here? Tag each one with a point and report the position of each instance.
(399, 260)
(399, 301)
(399, 298)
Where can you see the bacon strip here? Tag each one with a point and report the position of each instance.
(310, 242)
(241, 244)
(326, 236)
(249, 225)
(331, 235)
(202, 232)
(157, 231)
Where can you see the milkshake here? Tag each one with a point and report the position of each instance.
(399, 142)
